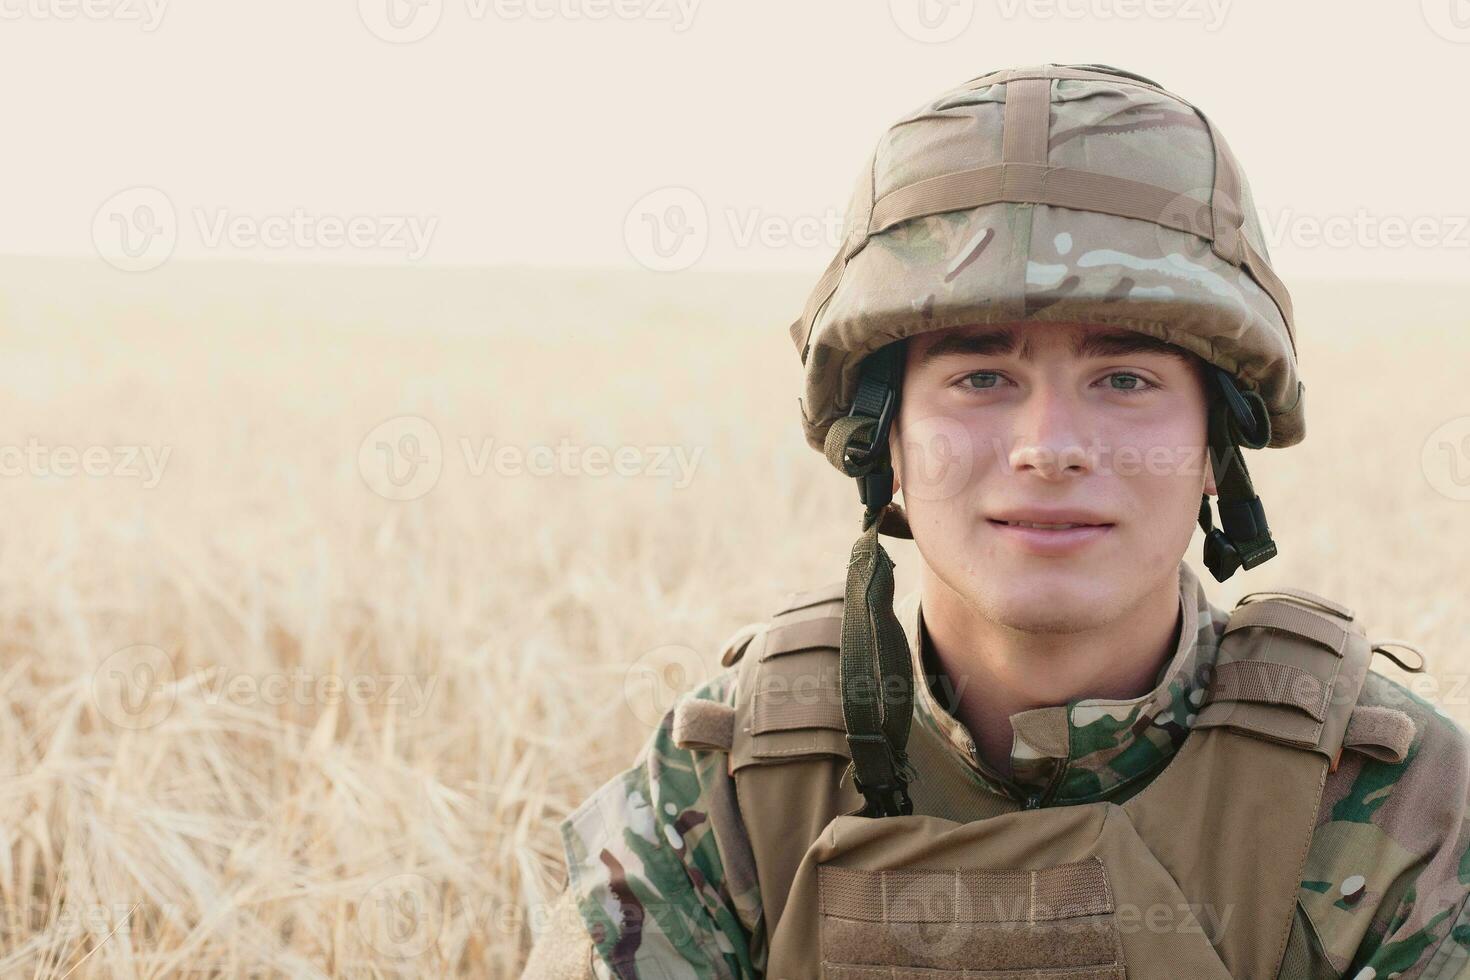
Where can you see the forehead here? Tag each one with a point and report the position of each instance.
(1022, 340)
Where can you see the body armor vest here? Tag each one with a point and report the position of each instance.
(1193, 878)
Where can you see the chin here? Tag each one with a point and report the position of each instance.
(1052, 616)
(1042, 600)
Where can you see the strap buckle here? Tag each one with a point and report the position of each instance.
(876, 398)
(1224, 556)
(887, 795)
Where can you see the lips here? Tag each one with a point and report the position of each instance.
(1051, 538)
(1051, 519)
(1047, 527)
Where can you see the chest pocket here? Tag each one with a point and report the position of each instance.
(910, 923)
(1032, 894)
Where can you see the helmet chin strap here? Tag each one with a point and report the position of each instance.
(877, 674)
(1236, 419)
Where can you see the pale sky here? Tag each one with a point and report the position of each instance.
(563, 132)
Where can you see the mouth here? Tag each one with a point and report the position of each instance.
(1050, 539)
(1038, 526)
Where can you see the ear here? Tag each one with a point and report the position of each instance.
(1210, 487)
(895, 456)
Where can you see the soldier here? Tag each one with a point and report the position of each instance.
(1052, 326)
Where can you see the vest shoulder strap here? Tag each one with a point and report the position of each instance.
(1290, 668)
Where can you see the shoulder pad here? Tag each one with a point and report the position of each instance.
(1304, 597)
(789, 694)
(734, 646)
(1289, 669)
(796, 601)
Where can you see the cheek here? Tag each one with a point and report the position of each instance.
(1160, 469)
(1163, 444)
(939, 458)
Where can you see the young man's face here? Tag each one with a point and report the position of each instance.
(1055, 423)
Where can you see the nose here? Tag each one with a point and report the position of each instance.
(1052, 437)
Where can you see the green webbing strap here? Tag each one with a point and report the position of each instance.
(877, 679)
(877, 674)
(848, 429)
(1237, 419)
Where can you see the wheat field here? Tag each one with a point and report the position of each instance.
(260, 718)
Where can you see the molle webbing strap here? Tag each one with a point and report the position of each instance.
(1024, 176)
(967, 895)
(1267, 683)
(1291, 618)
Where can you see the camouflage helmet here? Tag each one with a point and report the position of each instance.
(1056, 193)
(1053, 194)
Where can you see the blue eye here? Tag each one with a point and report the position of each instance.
(1142, 383)
(980, 374)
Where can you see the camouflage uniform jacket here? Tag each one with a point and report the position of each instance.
(663, 877)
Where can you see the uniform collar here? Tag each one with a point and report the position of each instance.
(1091, 749)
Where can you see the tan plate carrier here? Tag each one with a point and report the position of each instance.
(1193, 878)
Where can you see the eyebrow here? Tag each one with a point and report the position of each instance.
(996, 343)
